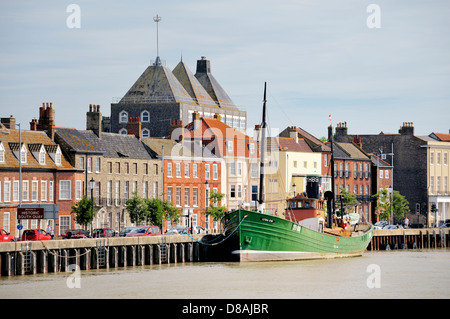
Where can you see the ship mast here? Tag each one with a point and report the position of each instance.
(262, 153)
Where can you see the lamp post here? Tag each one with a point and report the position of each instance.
(91, 186)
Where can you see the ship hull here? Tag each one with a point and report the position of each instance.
(260, 237)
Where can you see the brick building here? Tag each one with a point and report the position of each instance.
(160, 96)
(49, 181)
(191, 173)
(118, 164)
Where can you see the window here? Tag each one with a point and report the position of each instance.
(123, 131)
(2, 153)
(239, 168)
(145, 116)
(431, 184)
(251, 148)
(97, 165)
(64, 223)
(23, 158)
(44, 191)
(15, 191)
(194, 171)
(445, 159)
(126, 190)
(58, 156)
(239, 191)
(178, 169)
(145, 189)
(438, 158)
(233, 168)
(50, 191)
(169, 194)
(155, 189)
(207, 197)
(254, 170)
(108, 193)
(431, 158)
(25, 190)
(42, 156)
(145, 132)
(169, 169)
(110, 169)
(123, 117)
(7, 191)
(89, 164)
(207, 172)
(254, 192)
(178, 196)
(117, 193)
(65, 190)
(215, 172)
(186, 196)
(229, 146)
(233, 191)
(195, 196)
(6, 221)
(186, 170)
(381, 173)
(386, 174)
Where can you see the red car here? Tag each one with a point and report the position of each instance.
(35, 234)
(145, 231)
(5, 236)
(104, 232)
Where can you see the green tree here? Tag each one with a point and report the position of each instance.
(84, 211)
(348, 201)
(157, 210)
(217, 212)
(388, 206)
(136, 208)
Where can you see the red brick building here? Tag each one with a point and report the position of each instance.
(48, 179)
(191, 173)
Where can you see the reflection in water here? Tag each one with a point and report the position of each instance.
(401, 274)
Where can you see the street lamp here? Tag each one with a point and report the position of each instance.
(91, 186)
(294, 188)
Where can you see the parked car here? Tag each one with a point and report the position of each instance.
(35, 234)
(392, 227)
(416, 225)
(177, 230)
(76, 233)
(126, 230)
(144, 231)
(104, 232)
(5, 236)
(183, 230)
(444, 223)
(380, 224)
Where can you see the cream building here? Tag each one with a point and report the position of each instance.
(288, 162)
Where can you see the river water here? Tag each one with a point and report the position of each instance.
(383, 274)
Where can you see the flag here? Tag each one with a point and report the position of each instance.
(329, 117)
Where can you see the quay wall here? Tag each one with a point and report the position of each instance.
(32, 257)
(385, 239)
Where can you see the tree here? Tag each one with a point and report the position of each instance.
(387, 206)
(158, 209)
(217, 212)
(84, 211)
(348, 200)
(136, 209)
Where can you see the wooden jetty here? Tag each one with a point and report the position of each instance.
(410, 238)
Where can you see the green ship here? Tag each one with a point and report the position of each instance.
(305, 232)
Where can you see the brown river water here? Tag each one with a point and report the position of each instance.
(391, 274)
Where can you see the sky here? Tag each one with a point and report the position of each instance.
(373, 68)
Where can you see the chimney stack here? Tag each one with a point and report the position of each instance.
(9, 122)
(176, 130)
(47, 119)
(341, 130)
(134, 126)
(217, 116)
(33, 125)
(94, 119)
(407, 128)
(293, 133)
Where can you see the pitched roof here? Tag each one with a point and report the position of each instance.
(287, 144)
(190, 149)
(192, 85)
(312, 141)
(348, 150)
(110, 144)
(441, 137)
(158, 84)
(213, 87)
(33, 141)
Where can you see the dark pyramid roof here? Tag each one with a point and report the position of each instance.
(217, 93)
(192, 85)
(157, 84)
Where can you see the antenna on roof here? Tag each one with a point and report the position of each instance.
(157, 19)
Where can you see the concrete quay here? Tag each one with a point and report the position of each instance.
(385, 239)
(32, 257)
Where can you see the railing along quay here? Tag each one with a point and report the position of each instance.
(32, 257)
(385, 239)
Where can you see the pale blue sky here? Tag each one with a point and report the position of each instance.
(318, 57)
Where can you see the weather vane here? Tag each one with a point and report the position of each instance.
(157, 19)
